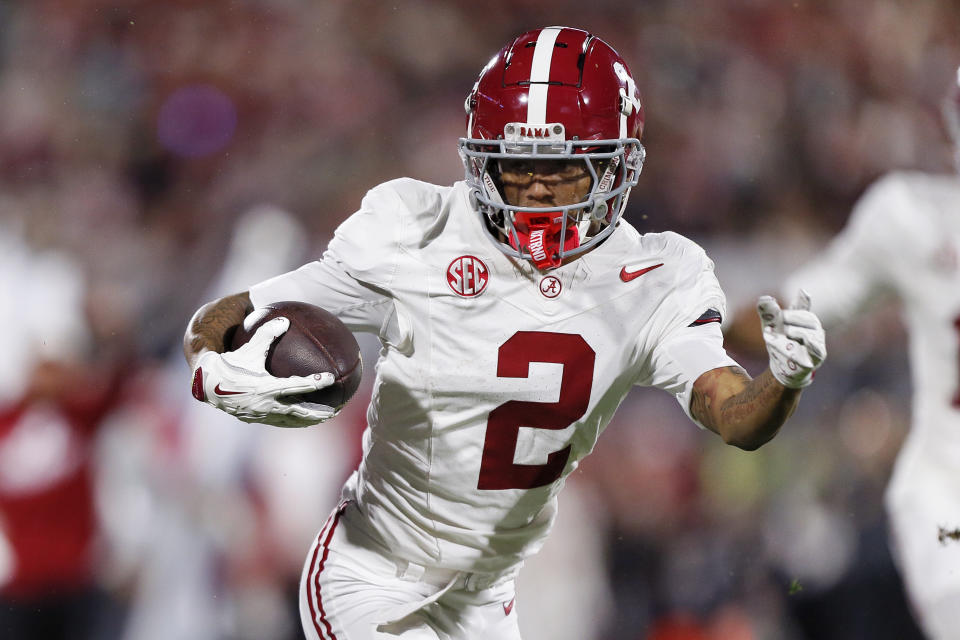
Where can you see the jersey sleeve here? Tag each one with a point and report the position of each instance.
(687, 340)
(684, 357)
(854, 269)
(353, 278)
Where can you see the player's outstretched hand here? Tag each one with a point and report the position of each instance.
(795, 340)
(238, 382)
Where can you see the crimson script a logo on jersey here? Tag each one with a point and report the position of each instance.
(550, 286)
(467, 276)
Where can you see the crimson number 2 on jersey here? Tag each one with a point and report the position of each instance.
(497, 468)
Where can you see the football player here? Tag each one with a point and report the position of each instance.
(903, 238)
(516, 309)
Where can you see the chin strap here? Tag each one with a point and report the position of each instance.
(539, 233)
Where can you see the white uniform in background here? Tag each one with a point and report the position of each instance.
(42, 295)
(494, 380)
(903, 238)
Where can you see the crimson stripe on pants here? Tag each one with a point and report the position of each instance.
(313, 584)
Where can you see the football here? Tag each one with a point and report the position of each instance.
(316, 342)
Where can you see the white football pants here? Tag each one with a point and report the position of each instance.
(351, 589)
(924, 496)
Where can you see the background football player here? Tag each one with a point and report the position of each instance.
(516, 309)
(902, 242)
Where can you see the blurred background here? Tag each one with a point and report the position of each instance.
(154, 155)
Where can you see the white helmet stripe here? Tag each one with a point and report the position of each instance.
(540, 75)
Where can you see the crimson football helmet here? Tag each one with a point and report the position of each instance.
(554, 94)
(951, 115)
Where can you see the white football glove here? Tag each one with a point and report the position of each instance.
(238, 382)
(795, 340)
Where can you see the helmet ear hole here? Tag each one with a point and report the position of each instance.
(599, 210)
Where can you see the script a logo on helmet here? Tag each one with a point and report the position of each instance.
(467, 276)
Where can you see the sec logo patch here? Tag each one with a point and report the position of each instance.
(550, 286)
(467, 276)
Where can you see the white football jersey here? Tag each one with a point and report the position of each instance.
(44, 290)
(903, 239)
(495, 379)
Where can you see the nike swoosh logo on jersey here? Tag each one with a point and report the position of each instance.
(223, 392)
(627, 276)
(508, 607)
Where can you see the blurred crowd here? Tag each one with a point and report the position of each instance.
(156, 154)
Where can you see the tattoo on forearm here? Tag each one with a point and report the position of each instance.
(209, 326)
(701, 404)
(763, 391)
(700, 409)
(728, 401)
